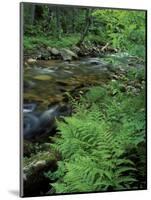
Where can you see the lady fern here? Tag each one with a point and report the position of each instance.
(94, 143)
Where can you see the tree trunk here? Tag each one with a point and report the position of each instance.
(64, 18)
(73, 21)
(87, 25)
(32, 14)
(49, 19)
(58, 26)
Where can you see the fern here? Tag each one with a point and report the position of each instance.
(95, 143)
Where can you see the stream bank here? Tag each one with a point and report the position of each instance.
(49, 83)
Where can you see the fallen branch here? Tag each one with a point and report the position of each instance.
(104, 48)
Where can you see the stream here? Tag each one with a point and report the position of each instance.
(46, 85)
(46, 82)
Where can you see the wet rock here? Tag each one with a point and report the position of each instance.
(35, 182)
(75, 49)
(32, 148)
(55, 99)
(55, 52)
(28, 84)
(62, 83)
(32, 97)
(42, 77)
(95, 61)
(68, 55)
(49, 49)
(31, 61)
(37, 162)
(44, 70)
(26, 65)
(30, 107)
(43, 55)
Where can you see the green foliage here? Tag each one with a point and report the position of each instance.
(97, 141)
(134, 73)
(125, 29)
(38, 41)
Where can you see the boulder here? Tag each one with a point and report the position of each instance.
(49, 49)
(76, 49)
(94, 61)
(28, 84)
(44, 54)
(42, 77)
(35, 182)
(31, 61)
(37, 162)
(68, 55)
(55, 51)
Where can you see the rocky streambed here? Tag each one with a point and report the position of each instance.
(46, 82)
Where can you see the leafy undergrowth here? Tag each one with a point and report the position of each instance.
(103, 143)
(34, 42)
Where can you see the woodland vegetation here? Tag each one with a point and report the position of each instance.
(101, 146)
(103, 143)
(67, 26)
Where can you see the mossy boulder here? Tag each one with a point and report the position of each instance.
(42, 77)
(55, 52)
(31, 61)
(67, 54)
(35, 182)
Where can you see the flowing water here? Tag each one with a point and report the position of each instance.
(47, 81)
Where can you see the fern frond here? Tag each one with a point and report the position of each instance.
(94, 142)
